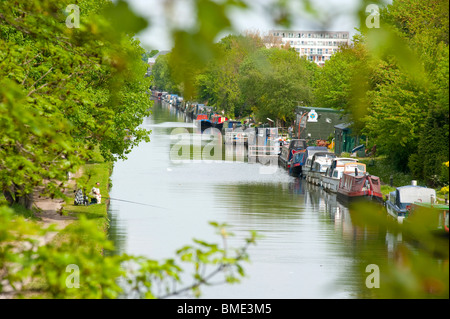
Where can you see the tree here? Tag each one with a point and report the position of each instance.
(273, 81)
(163, 75)
(218, 83)
(75, 89)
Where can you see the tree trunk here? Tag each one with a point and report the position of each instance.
(26, 200)
(14, 195)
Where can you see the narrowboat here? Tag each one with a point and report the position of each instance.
(400, 201)
(288, 150)
(321, 161)
(299, 159)
(354, 186)
(205, 123)
(217, 121)
(339, 165)
(295, 167)
(308, 159)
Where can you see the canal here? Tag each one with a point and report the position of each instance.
(309, 248)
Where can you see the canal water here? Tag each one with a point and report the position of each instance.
(309, 246)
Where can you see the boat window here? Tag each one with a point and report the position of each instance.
(298, 144)
(392, 197)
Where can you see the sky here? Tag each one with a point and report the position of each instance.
(338, 15)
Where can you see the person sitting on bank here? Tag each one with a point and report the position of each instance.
(96, 193)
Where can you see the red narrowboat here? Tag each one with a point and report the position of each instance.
(359, 186)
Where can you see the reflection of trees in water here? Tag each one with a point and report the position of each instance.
(117, 234)
(266, 200)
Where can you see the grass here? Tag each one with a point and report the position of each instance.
(95, 171)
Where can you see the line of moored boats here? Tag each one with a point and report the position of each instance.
(349, 179)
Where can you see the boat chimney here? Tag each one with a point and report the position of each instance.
(414, 183)
(356, 171)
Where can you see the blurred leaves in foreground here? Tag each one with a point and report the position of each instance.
(418, 261)
(31, 270)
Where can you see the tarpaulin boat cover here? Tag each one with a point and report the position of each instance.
(411, 194)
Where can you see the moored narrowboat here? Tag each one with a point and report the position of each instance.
(217, 121)
(354, 186)
(400, 200)
(321, 161)
(300, 160)
(332, 177)
(288, 151)
(205, 123)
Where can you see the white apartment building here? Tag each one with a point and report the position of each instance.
(317, 46)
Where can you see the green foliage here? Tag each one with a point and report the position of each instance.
(393, 81)
(65, 91)
(417, 268)
(219, 82)
(42, 271)
(339, 81)
(384, 168)
(273, 81)
(162, 74)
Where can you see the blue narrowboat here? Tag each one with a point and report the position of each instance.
(400, 201)
(300, 157)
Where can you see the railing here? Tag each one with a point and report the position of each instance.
(263, 150)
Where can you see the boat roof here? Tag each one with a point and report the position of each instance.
(318, 154)
(317, 148)
(412, 193)
(353, 160)
(343, 126)
(355, 164)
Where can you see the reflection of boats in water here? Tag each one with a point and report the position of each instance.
(339, 214)
(297, 187)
